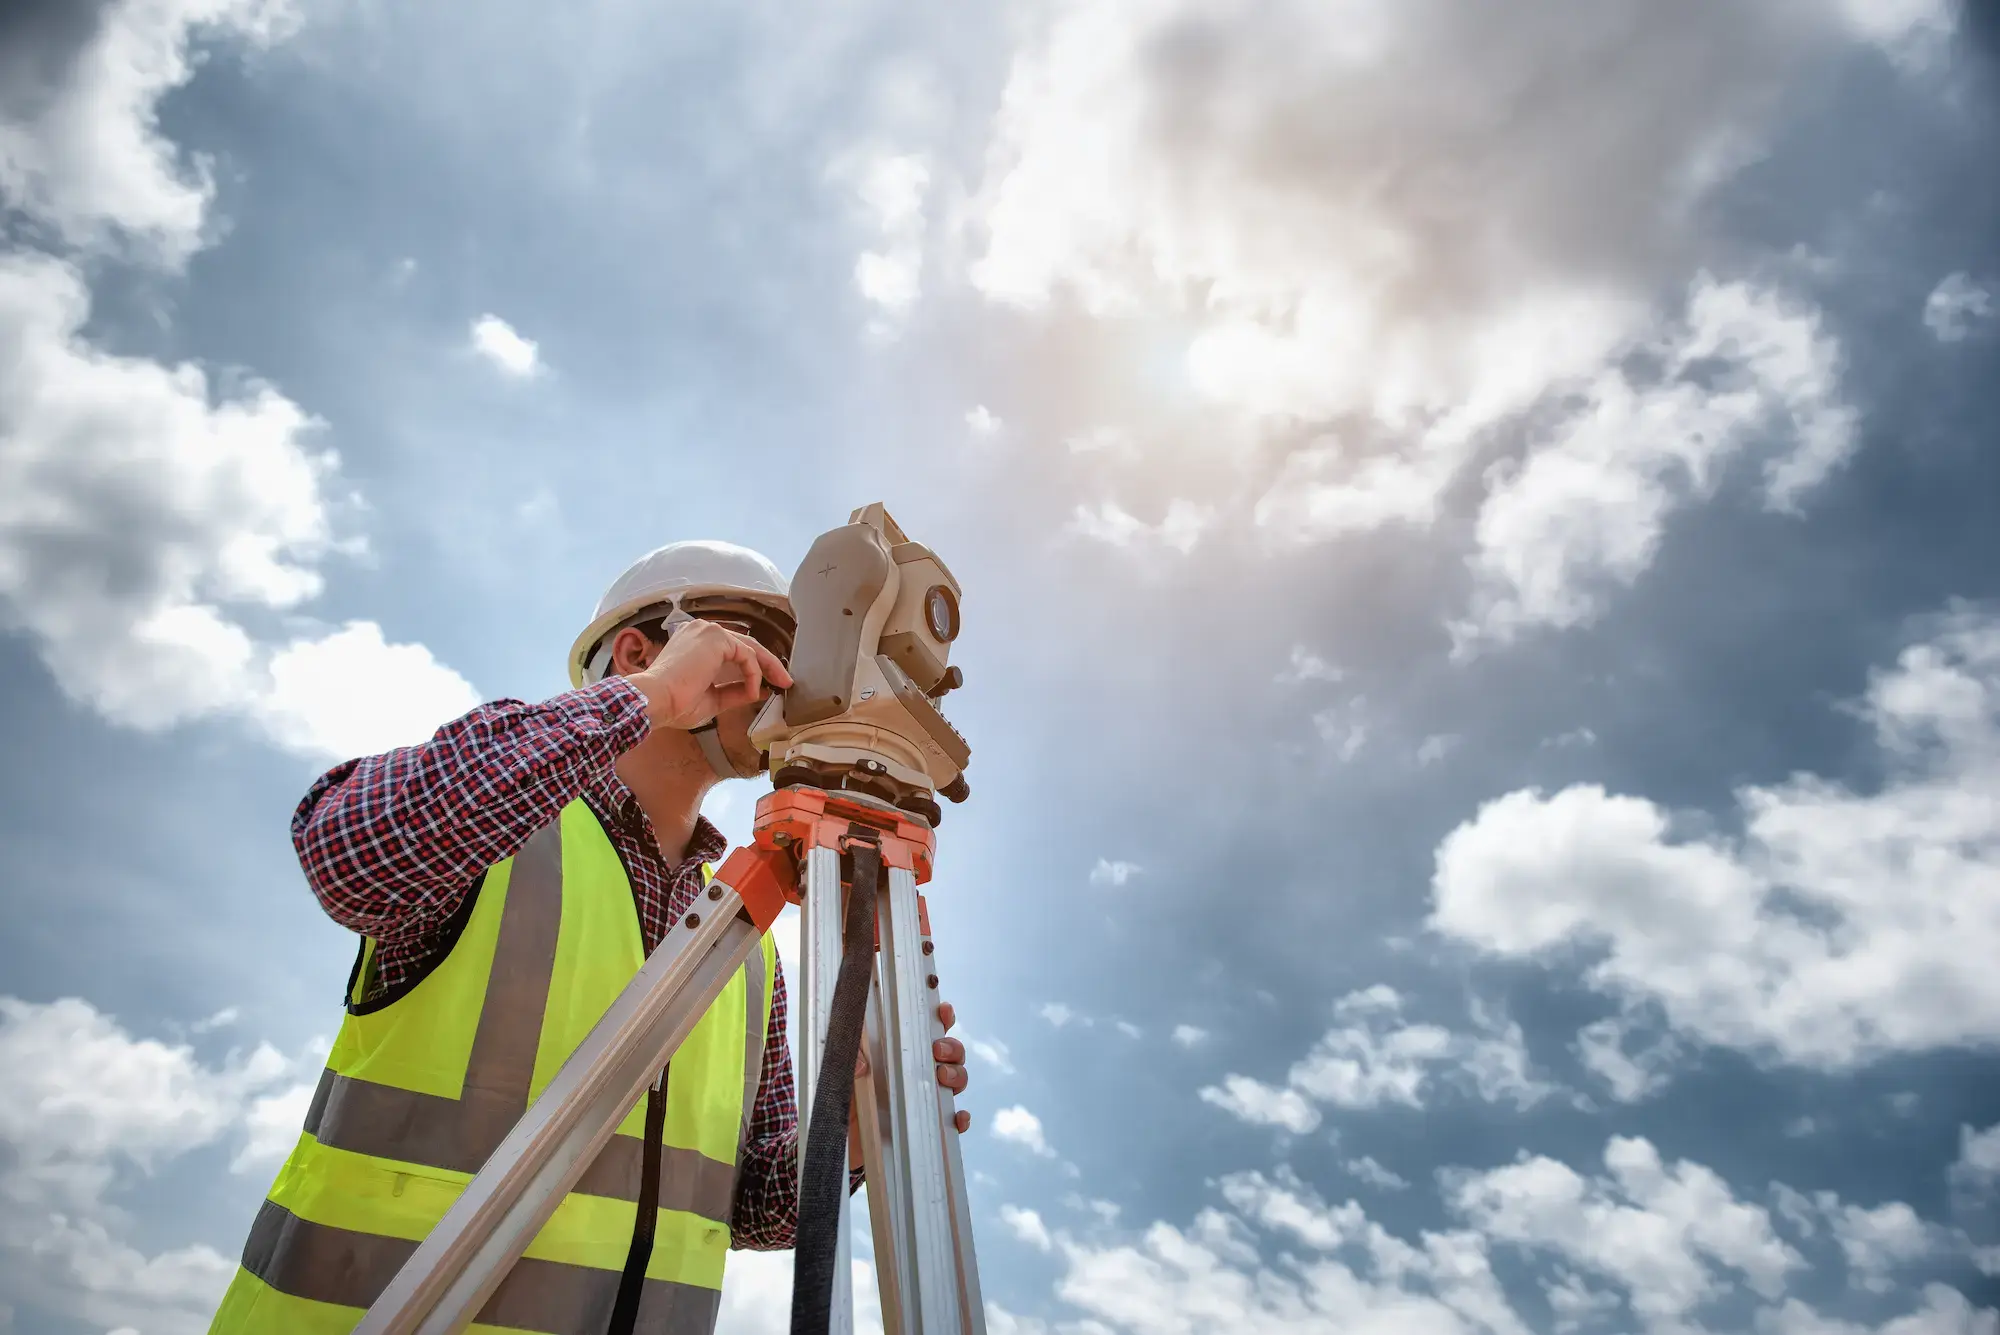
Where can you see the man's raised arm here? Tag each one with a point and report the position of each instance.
(389, 843)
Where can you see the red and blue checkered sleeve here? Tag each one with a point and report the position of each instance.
(390, 842)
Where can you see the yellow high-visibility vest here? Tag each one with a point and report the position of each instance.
(424, 1083)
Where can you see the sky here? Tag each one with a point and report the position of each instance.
(1482, 602)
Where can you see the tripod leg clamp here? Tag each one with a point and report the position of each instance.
(765, 879)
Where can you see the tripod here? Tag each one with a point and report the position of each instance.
(917, 1202)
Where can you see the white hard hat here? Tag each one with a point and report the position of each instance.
(675, 578)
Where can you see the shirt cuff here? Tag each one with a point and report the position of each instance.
(618, 706)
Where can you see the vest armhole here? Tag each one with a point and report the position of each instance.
(441, 947)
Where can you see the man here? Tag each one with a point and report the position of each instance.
(508, 878)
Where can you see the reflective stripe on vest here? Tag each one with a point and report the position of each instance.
(420, 1090)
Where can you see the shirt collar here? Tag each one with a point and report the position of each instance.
(615, 801)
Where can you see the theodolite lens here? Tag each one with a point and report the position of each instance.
(941, 611)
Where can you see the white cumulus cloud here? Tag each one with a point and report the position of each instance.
(85, 1108)
(84, 156)
(1027, 1226)
(1113, 872)
(1669, 1233)
(1635, 1242)
(156, 530)
(141, 518)
(889, 189)
(1957, 307)
(1018, 1126)
(1841, 925)
(503, 346)
(1586, 510)
(1373, 1057)
(1179, 529)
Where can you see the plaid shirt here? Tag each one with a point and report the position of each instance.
(389, 844)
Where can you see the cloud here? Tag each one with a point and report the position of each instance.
(222, 1019)
(352, 693)
(1876, 1242)
(1841, 926)
(1666, 1233)
(889, 188)
(993, 1052)
(1343, 727)
(1284, 187)
(1632, 1076)
(1435, 748)
(1375, 1175)
(1059, 1015)
(1130, 1030)
(1956, 308)
(1027, 1226)
(1108, 872)
(80, 149)
(1944, 1311)
(757, 1294)
(1018, 1126)
(1662, 1239)
(1179, 529)
(1373, 1058)
(86, 1106)
(979, 420)
(499, 343)
(1189, 1036)
(1978, 1154)
(1260, 1104)
(271, 1123)
(1587, 508)
(1974, 1182)
(142, 518)
(1305, 665)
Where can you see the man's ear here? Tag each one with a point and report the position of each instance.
(632, 652)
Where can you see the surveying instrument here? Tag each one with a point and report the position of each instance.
(858, 753)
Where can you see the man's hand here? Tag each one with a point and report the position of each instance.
(949, 1054)
(703, 670)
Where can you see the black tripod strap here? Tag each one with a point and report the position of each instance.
(823, 1181)
(632, 1283)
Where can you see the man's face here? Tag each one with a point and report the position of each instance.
(732, 729)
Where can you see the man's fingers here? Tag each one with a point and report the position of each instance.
(952, 1078)
(946, 1015)
(744, 652)
(779, 675)
(962, 1120)
(948, 1050)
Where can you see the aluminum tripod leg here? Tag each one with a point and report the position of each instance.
(925, 1268)
(877, 1096)
(455, 1269)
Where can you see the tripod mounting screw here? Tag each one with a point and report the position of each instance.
(693, 920)
(714, 891)
(931, 982)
